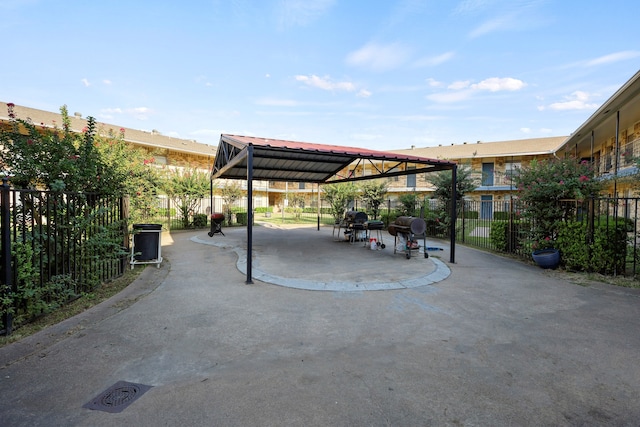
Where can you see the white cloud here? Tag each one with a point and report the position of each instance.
(525, 130)
(85, 82)
(434, 83)
(379, 57)
(106, 81)
(613, 57)
(495, 84)
(459, 85)
(325, 83)
(432, 61)
(578, 100)
(463, 89)
(363, 93)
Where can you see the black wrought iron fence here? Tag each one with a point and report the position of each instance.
(56, 246)
(595, 234)
(498, 226)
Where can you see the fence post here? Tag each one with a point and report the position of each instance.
(169, 213)
(511, 242)
(5, 243)
(462, 212)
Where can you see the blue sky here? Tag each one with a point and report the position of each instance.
(375, 74)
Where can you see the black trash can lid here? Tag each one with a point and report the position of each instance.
(147, 226)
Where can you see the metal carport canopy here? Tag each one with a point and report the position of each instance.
(248, 158)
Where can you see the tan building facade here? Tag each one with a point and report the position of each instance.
(610, 139)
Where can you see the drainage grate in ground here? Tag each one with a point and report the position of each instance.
(117, 397)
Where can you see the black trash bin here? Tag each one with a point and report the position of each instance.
(146, 240)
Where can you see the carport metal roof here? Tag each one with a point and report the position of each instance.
(279, 160)
(249, 158)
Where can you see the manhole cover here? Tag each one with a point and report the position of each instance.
(117, 397)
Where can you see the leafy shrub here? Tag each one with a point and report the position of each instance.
(437, 223)
(408, 204)
(607, 253)
(609, 249)
(388, 218)
(503, 238)
(544, 184)
(167, 212)
(242, 218)
(471, 215)
(199, 220)
(574, 250)
(498, 235)
(501, 216)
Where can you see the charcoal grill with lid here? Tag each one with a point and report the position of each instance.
(407, 229)
(216, 224)
(355, 225)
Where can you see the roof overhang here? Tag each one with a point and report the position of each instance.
(280, 160)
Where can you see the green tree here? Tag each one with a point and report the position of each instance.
(230, 193)
(439, 219)
(408, 202)
(186, 187)
(441, 181)
(373, 194)
(43, 157)
(544, 184)
(296, 204)
(127, 171)
(339, 196)
(61, 159)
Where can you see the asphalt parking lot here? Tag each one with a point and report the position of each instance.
(487, 341)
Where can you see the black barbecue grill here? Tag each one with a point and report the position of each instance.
(355, 225)
(407, 229)
(216, 224)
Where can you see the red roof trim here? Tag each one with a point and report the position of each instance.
(333, 149)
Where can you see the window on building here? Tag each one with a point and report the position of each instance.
(301, 185)
(511, 170)
(160, 160)
(411, 179)
(487, 174)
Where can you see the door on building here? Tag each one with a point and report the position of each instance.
(486, 207)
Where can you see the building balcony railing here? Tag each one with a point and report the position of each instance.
(629, 152)
(496, 179)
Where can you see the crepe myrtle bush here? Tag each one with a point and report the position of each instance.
(58, 158)
(543, 185)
